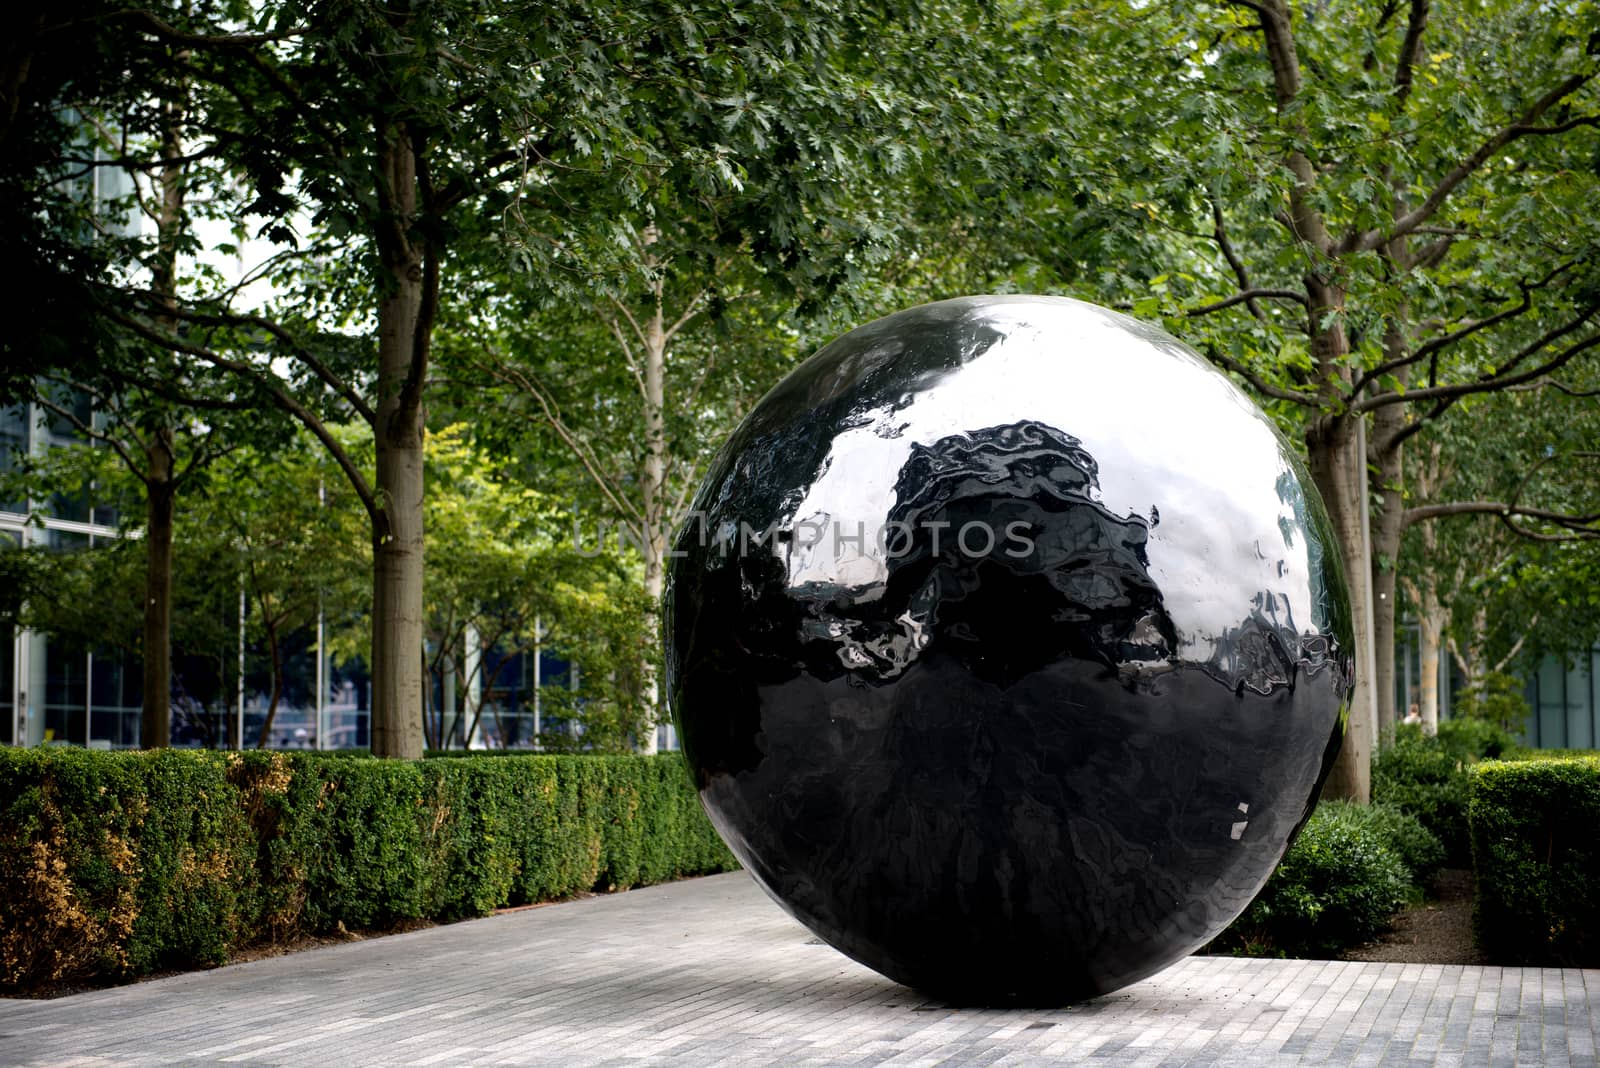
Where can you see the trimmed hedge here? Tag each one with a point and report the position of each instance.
(114, 865)
(1537, 860)
(1346, 875)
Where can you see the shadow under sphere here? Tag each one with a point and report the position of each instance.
(1009, 647)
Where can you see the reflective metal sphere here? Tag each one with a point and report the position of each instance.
(1009, 647)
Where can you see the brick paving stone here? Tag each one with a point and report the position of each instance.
(709, 973)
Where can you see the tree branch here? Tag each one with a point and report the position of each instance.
(1516, 647)
(1409, 48)
(1433, 346)
(421, 335)
(135, 468)
(690, 310)
(1497, 381)
(301, 353)
(1247, 296)
(1260, 384)
(627, 355)
(1219, 233)
(1372, 239)
(1534, 387)
(284, 399)
(512, 376)
(166, 32)
(1426, 512)
(627, 314)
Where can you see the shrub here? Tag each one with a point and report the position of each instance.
(1427, 777)
(1341, 883)
(1495, 700)
(1537, 860)
(1423, 777)
(1418, 848)
(113, 865)
(1475, 739)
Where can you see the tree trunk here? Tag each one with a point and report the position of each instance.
(1338, 469)
(655, 509)
(1388, 527)
(1431, 620)
(155, 720)
(397, 676)
(276, 651)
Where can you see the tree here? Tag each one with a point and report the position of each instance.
(784, 167)
(109, 193)
(287, 526)
(506, 579)
(1366, 215)
(371, 153)
(1502, 525)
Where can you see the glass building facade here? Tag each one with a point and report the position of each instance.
(53, 689)
(1563, 696)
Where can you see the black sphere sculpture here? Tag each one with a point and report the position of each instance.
(1008, 644)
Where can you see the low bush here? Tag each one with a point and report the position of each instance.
(113, 865)
(1340, 884)
(1472, 740)
(1537, 860)
(1418, 848)
(1427, 777)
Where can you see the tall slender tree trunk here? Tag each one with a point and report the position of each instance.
(275, 648)
(1388, 527)
(655, 508)
(1338, 467)
(1433, 617)
(160, 475)
(155, 719)
(397, 536)
(1431, 621)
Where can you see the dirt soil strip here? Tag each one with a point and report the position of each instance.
(1438, 931)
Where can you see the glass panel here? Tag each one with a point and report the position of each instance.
(294, 726)
(1552, 711)
(73, 507)
(58, 430)
(1528, 731)
(63, 541)
(13, 447)
(115, 682)
(1594, 692)
(202, 698)
(507, 718)
(8, 683)
(66, 690)
(1579, 732)
(9, 539)
(347, 707)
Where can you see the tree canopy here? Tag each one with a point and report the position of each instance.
(592, 235)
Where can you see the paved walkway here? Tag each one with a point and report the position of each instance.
(708, 972)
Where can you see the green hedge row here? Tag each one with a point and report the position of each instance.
(1346, 875)
(1537, 859)
(114, 865)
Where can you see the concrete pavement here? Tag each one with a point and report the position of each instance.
(709, 972)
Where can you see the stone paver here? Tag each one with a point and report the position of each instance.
(710, 973)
